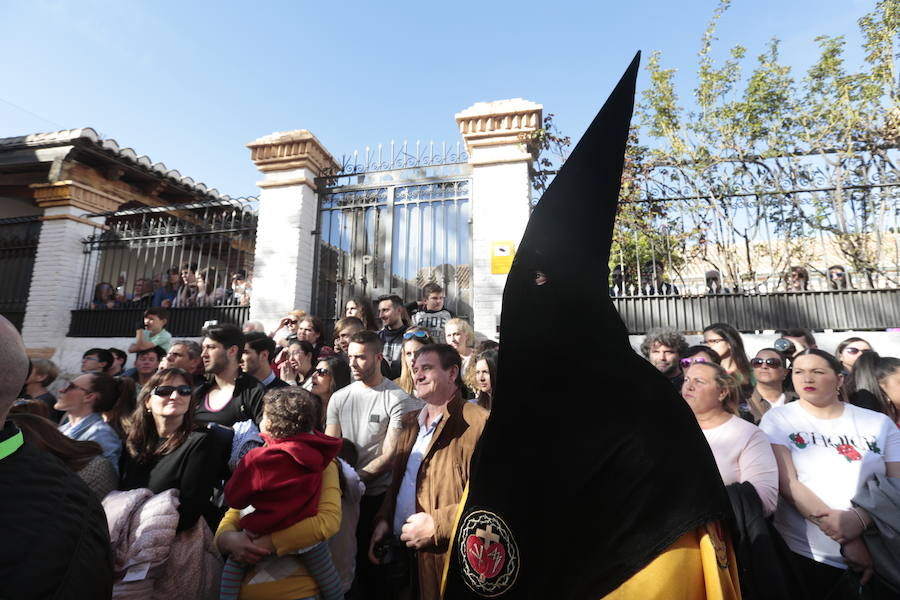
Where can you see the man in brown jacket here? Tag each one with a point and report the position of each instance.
(431, 466)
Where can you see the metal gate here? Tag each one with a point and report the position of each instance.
(391, 232)
(18, 246)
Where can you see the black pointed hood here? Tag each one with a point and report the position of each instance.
(591, 463)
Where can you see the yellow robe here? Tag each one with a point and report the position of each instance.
(700, 565)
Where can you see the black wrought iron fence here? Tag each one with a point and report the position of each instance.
(18, 247)
(859, 310)
(123, 322)
(787, 223)
(180, 256)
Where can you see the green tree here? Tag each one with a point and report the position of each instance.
(769, 157)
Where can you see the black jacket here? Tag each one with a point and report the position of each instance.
(55, 540)
(246, 402)
(764, 561)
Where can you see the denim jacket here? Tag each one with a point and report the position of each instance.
(93, 428)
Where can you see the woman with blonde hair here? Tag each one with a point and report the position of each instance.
(291, 323)
(741, 449)
(413, 339)
(461, 336)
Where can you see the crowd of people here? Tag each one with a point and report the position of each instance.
(183, 287)
(816, 438)
(307, 463)
(285, 464)
(651, 280)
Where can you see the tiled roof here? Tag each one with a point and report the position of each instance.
(88, 135)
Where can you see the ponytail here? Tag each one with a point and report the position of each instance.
(115, 396)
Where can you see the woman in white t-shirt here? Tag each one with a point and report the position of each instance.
(826, 451)
(741, 449)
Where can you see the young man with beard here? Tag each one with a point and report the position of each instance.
(663, 347)
(259, 350)
(369, 413)
(229, 395)
(390, 311)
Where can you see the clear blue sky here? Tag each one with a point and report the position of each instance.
(189, 83)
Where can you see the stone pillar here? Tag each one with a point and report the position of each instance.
(284, 267)
(497, 136)
(56, 282)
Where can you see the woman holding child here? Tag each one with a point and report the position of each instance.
(297, 462)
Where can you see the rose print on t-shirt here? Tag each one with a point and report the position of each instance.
(873, 446)
(849, 452)
(798, 440)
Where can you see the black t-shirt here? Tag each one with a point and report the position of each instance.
(193, 468)
(246, 402)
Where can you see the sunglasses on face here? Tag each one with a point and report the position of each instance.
(71, 386)
(419, 334)
(771, 362)
(166, 390)
(852, 350)
(322, 372)
(292, 321)
(686, 362)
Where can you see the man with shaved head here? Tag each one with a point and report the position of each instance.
(54, 531)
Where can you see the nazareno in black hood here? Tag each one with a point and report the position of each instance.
(591, 463)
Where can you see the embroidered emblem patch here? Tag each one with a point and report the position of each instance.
(717, 539)
(489, 556)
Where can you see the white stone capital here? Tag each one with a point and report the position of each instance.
(290, 150)
(500, 131)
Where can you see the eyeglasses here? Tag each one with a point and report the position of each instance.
(713, 341)
(771, 362)
(686, 362)
(166, 390)
(292, 321)
(71, 386)
(419, 334)
(852, 350)
(322, 372)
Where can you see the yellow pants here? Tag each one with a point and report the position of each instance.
(700, 565)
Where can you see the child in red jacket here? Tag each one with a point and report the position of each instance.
(279, 484)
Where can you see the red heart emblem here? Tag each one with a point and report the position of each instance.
(487, 562)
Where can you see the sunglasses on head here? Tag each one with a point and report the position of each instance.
(852, 350)
(419, 334)
(322, 372)
(166, 390)
(686, 362)
(771, 362)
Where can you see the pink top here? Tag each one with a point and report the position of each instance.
(743, 453)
